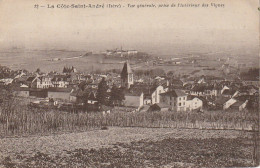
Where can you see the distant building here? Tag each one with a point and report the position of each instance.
(121, 52)
(68, 70)
(229, 93)
(134, 99)
(39, 82)
(193, 103)
(252, 82)
(151, 92)
(127, 76)
(155, 94)
(21, 91)
(239, 105)
(175, 98)
(236, 104)
(132, 52)
(60, 81)
(6, 81)
(60, 93)
(198, 90)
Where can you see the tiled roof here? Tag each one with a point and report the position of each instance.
(221, 100)
(30, 79)
(237, 104)
(21, 88)
(191, 97)
(174, 93)
(145, 88)
(228, 92)
(133, 93)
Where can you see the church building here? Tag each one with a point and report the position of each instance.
(127, 76)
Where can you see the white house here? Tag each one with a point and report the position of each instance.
(155, 96)
(6, 81)
(40, 82)
(193, 103)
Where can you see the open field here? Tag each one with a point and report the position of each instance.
(130, 147)
(43, 59)
(31, 60)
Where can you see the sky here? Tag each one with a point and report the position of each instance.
(233, 29)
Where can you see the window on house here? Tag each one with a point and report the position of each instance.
(183, 98)
(184, 103)
(180, 98)
(179, 104)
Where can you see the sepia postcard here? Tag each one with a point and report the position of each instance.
(129, 83)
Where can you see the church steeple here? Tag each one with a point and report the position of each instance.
(127, 77)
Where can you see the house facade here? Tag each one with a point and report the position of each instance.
(40, 82)
(155, 97)
(60, 81)
(193, 103)
(175, 98)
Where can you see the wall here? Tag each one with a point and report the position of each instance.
(194, 104)
(133, 101)
(181, 103)
(59, 95)
(156, 94)
(21, 93)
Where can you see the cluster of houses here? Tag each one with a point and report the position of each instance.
(158, 94)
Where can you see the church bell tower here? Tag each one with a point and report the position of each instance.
(127, 76)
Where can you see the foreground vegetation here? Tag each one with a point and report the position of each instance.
(26, 121)
(17, 119)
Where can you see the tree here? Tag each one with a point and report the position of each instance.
(157, 72)
(170, 74)
(5, 72)
(38, 70)
(102, 95)
(117, 96)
